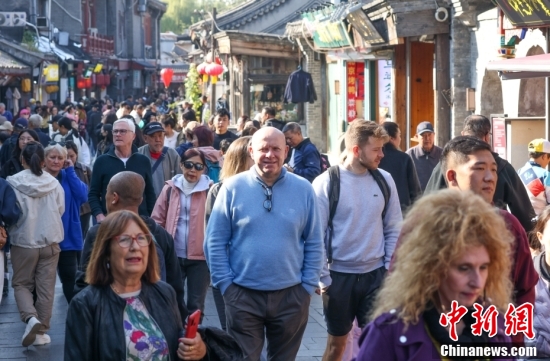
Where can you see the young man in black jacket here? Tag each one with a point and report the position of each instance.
(510, 191)
(124, 193)
(121, 157)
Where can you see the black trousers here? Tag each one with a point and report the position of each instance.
(66, 269)
(196, 276)
(220, 306)
(280, 316)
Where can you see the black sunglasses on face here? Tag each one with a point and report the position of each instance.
(189, 165)
(62, 143)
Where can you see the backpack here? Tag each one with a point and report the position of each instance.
(213, 170)
(334, 196)
(325, 164)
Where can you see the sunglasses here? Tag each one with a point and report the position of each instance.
(190, 165)
(62, 143)
(268, 203)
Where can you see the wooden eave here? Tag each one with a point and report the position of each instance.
(237, 43)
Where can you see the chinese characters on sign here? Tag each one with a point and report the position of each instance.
(516, 320)
(355, 89)
(499, 137)
(384, 88)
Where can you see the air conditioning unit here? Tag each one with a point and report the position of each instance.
(5, 19)
(19, 19)
(42, 22)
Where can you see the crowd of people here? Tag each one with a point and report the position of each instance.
(140, 207)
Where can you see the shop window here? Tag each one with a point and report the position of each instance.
(271, 95)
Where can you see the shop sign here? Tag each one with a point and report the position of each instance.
(499, 136)
(51, 73)
(360, 22)
(355, 89)
(328, 34)
(384, 88)
(522, 13)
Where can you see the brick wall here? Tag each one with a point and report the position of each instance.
(313, 112)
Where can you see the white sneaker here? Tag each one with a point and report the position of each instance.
(33, 326)
(42, 340)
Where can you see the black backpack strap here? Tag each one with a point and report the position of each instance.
(384, 187)
(333, 197)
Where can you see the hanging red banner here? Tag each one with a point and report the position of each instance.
(351, 87)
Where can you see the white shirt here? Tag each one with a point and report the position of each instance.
(171, 142)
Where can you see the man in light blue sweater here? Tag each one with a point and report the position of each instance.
(363, 238)
(264, 247)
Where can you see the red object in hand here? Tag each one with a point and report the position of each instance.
(193, 324)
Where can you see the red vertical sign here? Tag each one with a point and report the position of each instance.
(351, 90)
(499, 137)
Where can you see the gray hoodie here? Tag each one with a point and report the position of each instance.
(42, 203)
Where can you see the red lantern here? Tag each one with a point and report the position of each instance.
(88, 83)
(166, 76)
(214, 69)
(80, 83)
(218, 61)
(201, 68)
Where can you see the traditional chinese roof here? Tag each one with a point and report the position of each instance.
(263, 16)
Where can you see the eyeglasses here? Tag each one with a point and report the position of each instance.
(189, 165)
(53, 142)
(125, 240)
(120, 131)
(269, 194)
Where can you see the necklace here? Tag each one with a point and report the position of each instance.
(114, 288)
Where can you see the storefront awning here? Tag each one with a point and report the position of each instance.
(11, 66)
(138, 64)
(536, 66)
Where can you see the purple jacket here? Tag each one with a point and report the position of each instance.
(385, 339)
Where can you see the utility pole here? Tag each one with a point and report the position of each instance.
(213, 50)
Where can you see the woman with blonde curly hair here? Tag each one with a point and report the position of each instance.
(457, 249)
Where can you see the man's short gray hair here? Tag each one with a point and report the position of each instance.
(477, 126)
(130, 122)
(292, 127)
(2, 105)
(35, 120)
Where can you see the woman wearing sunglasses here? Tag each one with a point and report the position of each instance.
(180, 210)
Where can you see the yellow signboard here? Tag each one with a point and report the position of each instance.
(51, 73)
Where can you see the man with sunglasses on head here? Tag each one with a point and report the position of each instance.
(122, 156)
(264, 247)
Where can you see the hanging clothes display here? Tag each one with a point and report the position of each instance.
(300, 88)
(9, 100)
(16, 97)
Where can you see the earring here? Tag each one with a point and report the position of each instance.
(108, 265)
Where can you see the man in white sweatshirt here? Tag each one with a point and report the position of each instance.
(365, 228)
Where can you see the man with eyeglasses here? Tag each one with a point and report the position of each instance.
(165, 161)
(122, 156)
(264, 247)
(362, 230)
(509, 192)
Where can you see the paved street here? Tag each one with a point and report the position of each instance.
(11, 330)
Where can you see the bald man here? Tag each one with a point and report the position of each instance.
(124, 192)
(266, 278)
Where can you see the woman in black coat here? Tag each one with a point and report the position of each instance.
(13, 165)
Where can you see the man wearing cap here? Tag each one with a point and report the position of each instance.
(165, 161)
(426, 154)
(534, 175)
(8, 146)
(124, 156)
